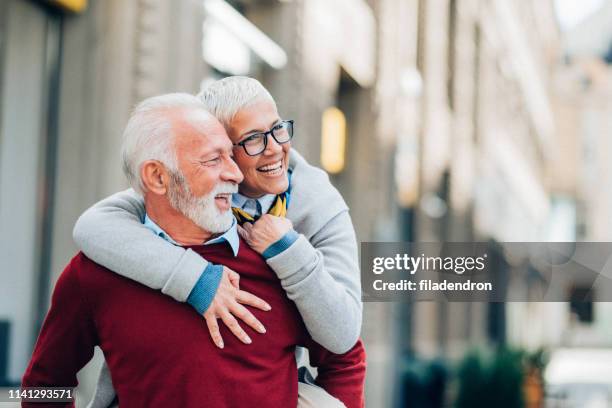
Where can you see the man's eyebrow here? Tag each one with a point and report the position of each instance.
(207, 156)
(219, 150)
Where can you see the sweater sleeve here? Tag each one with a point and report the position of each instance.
(341, 375)
(66, 341)
(112, 234)
(322, 278)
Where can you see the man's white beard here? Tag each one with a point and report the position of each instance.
(203, 211)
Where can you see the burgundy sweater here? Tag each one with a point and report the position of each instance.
(160, 353)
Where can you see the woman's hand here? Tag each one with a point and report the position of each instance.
(227, 303)
(265, 231)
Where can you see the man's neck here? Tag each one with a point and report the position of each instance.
(180, 228)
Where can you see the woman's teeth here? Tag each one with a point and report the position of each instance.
(272, 169)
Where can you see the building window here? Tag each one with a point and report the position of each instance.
(333, 140)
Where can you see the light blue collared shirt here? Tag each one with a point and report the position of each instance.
(255, 207)
(203, 292)
(230, 236)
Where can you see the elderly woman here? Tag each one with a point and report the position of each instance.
(289, 212)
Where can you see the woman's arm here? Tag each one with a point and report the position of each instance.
(321, 276)
(111, 233)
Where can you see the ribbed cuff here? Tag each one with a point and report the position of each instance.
(184, 276)
(204, 291)
(296, 263)
(279, 246)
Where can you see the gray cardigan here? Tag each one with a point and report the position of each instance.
(319, 271)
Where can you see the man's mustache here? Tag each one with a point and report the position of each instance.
(225, 188)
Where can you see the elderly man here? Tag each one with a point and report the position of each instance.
(179, 157)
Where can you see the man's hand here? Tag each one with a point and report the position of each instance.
(227, 303)
(265, 231)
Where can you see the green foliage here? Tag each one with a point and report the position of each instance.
(484, 379)
(472, 378)
(493, 379)
(424, 384)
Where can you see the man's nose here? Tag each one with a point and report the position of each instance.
(231, 172)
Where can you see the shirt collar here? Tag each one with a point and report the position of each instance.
(230, 236)
(250, 204)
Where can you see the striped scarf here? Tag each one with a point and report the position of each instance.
(278, 208)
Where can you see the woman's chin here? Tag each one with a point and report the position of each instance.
(279, 187)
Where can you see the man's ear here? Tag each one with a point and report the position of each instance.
(155, 177)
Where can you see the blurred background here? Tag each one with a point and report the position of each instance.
(438, 120)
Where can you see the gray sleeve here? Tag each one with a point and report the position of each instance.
(111, 233)
(322, 278)
(105, 394)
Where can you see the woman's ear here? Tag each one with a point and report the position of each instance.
(155, 177)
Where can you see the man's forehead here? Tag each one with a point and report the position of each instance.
(199, 119)
(197, 127)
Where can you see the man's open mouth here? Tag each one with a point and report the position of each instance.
(272, 169)
(224, 198)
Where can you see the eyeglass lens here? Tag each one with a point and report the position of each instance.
(256, 144)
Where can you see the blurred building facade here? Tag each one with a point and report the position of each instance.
(451, 133)
(70, 77)
(72, 70)
(579, 179)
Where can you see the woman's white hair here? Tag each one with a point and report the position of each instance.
(226, 97)
(148, 134)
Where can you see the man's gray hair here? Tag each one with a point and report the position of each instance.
(226, 97)
(148, 134)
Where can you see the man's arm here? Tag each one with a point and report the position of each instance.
(66, 342)
(341, 375)
(320, 276)
(111, 233)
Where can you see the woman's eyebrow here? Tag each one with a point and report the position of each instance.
(262, 130)
(253, 131)
(275, 122)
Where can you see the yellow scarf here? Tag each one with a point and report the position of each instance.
(278, 209)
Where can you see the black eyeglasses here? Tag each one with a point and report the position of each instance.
(256, 143)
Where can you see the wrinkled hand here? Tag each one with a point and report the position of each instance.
(265, 231)
(227, 303)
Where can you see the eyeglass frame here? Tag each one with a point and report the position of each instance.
(265, 138)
